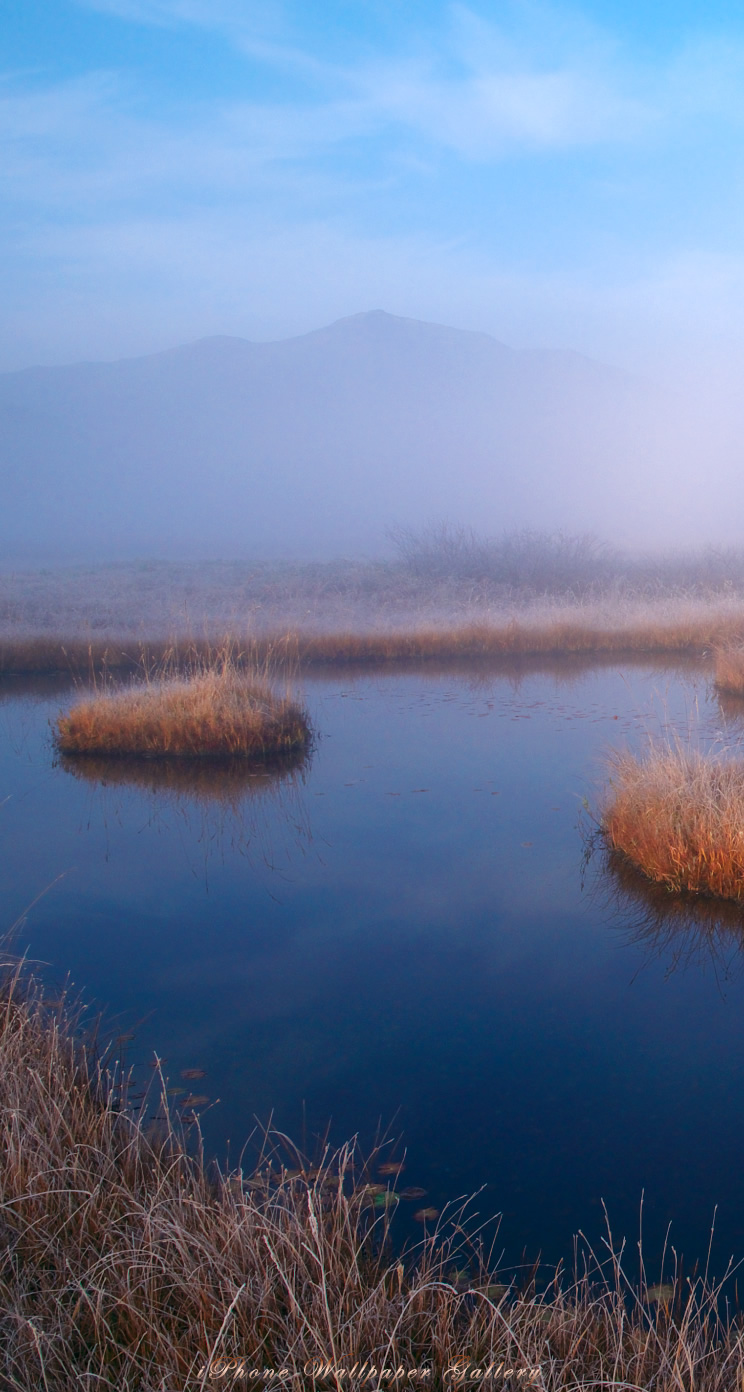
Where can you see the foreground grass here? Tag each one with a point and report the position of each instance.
(215, 709)
(678, 815)
(128, 1264)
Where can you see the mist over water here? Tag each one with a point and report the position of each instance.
(277, 278)
(316, 447)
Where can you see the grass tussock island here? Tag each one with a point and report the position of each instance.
(212, 711)
(678, 815)
(127, 1263)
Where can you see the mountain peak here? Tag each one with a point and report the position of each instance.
(313, 442)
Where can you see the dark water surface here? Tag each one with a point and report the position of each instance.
(404, 932)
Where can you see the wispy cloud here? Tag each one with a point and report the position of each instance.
(95, 136)
(485, 114)
(261, 30)
(543, 79)
(232, 16)
(464, 86)
(371, 174)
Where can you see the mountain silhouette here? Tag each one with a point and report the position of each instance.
(311, 446)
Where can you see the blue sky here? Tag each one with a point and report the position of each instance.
(557, 175)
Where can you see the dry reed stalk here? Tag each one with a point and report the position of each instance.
(127, 1264)
(214, 710)
(679, 816)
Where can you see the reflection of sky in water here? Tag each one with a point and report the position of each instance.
(400, 932)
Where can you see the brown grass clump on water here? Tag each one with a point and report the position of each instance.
(216, 710)
(128, 1264)
(679, 816)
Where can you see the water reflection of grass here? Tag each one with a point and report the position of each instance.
(731, 706)
(729, 669)
(219, 780)
(255, 809)
(679, 929)
(132, 1263)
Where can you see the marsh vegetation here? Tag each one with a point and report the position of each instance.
(446, 591)
(130, 1263)
(214, 709)
(678, 814)
(666, 629)
(432, 987)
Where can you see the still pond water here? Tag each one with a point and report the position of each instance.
(404, 932)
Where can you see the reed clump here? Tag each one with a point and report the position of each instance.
(678, 815)
(217, 710)
(127, 1263)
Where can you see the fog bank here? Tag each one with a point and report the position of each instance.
(317, 446)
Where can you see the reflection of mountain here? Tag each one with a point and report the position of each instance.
(226, 781)
(682, 930)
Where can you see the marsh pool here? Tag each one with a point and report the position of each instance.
(406, 935)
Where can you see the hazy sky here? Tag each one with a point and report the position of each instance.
(557, 175)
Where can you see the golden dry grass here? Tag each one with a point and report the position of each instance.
(128, 1264)
(679, 816)
(212, 711)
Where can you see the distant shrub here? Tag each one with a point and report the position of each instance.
(541, 562)
(580, 564)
